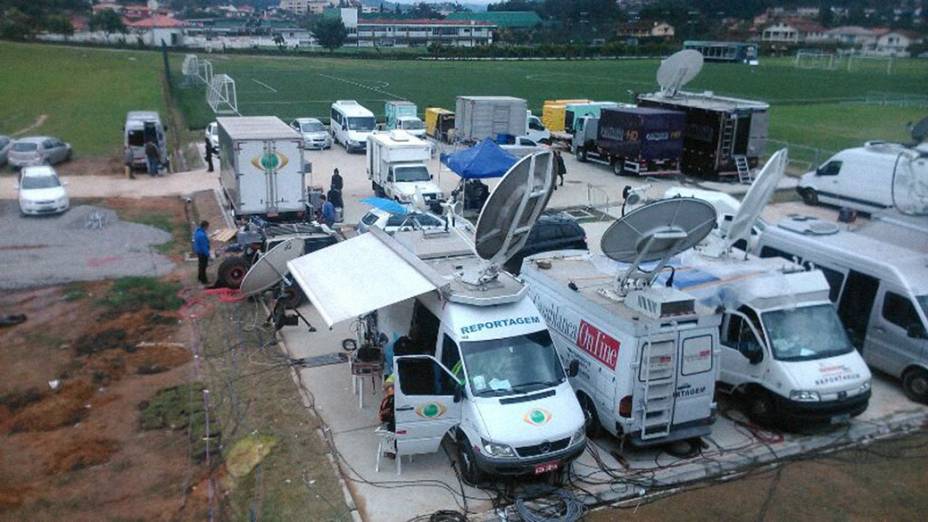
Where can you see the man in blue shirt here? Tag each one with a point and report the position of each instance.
(328, 212)
(201, 249)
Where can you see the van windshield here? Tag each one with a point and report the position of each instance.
(411, 173)
(361, 124)
(412, 124)
(806, 333)
(512, 365)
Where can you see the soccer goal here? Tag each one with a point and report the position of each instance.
(815, 60)
(205, 71)
(221, 95)
(870, 63)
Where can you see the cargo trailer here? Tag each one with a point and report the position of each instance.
(573, 112)
(479, 117)
(439, 123)
(633, 141)
(553, 114)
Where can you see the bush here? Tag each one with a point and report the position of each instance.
(140, 292)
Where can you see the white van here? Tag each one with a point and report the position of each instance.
(351, 123)
(862, 177)
(473, 359)
(140, 128)
(878, 277)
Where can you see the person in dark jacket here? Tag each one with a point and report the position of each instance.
(201, 249)
(337, 182)
(335, 192)
(559, 165)
(153, 158)
(209, 155)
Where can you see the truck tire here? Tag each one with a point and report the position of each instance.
(232, 271)
(809, 197)
(581, 154)
(760, 407)
(470, 473)
(593, 427)
(915, 385)
(618, 167)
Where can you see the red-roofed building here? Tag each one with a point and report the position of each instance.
(794, 31)
(386, 32)
(157, 29)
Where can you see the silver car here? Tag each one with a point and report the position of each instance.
(315, 135)
(38, 150)
(5, 144)
(390, 223)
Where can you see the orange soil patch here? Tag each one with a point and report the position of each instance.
(81, 454)
(62, 408)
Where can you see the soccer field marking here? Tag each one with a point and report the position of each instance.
(262, 84)
(363, 86)
(573, 78)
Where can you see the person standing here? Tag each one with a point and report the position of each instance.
(337, 181)
(152, 158)
(335, 192)
(561, 169)
(127, 158)
(328, 212)
(201, 249)
(209, 155)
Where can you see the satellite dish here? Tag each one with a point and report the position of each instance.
(756, 199)
(677, 70)
(513, 207)
(910, 183)
(658, 230)
(271, 267)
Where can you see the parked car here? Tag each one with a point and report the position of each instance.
(390, 223)
(212, 134)
(551, 232)
(314, 133)
(5, 144)
(41, 192)
(37, 150)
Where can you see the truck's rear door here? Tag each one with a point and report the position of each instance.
(696, 377)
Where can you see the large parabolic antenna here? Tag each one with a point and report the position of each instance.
(271, 267)
(677, 70)
(756, 199)
(513, 208)
(657, 232)
(910, 182)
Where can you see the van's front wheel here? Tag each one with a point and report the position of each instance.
(469, 470)
(593, 427)
(809, 197)
(760, 407)
(915, 385)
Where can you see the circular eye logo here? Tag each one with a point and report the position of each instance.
(270, 161)
(430, 410)
(537, 416)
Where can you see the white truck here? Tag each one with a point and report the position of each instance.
(784, 350)
(262, 169)
(397, 165)
(646, 358)
(402, 115)
(475, 361)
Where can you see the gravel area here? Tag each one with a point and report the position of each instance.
(85, 243)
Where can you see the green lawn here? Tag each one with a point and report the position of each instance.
(85, 93)
(809, 106)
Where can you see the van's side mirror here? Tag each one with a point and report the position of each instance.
(573, 368)
(916, 331)
(818, 171)
(458, 393)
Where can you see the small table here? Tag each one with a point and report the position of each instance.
(362, 369)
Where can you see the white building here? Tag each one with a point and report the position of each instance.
(794, 32)
(417, 33)
(853, 35)
(896, 43)
(306, 6)
(157, 29)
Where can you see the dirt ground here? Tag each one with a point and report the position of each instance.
(883, 481)
(72, 379)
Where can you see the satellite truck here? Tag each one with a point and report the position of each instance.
(647, 356)
(474, 360)
(724, 136)
(783, 349)
(397, 165)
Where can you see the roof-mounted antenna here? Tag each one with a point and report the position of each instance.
(677, 70)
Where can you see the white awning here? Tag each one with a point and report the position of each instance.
(360, 275)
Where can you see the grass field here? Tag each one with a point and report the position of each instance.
(810, 107)
(84, 94)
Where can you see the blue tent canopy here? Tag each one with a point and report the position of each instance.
(484, 160)
(387, 205)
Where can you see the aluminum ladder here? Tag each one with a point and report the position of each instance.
(656, 403)
(745, 176)
(728, 137)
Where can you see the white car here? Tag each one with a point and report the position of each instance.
(390, 223)
(41, 192)
(315, 135)
(212, 134)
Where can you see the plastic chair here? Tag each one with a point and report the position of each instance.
(386, 442)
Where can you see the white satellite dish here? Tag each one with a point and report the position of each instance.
(513, 208)
(910, 183)
(656, 232)
(271, 267)
(677, 70)
(756, 199)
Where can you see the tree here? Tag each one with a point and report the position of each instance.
(331, 33)
(59, 24)
(279, 40)
(16, 25)
(109, 22)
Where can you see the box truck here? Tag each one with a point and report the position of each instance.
(633, 141)
(262, 169)
(397, 165)
(402, 115)
(473, 360)
(439, 123)
(574, 112)
(479, 117)
(553, 113)
(646, 356)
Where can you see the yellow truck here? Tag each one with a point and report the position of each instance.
(553, 112)
(439, 123)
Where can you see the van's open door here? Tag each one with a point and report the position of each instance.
(424, 403)
(362, 274)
